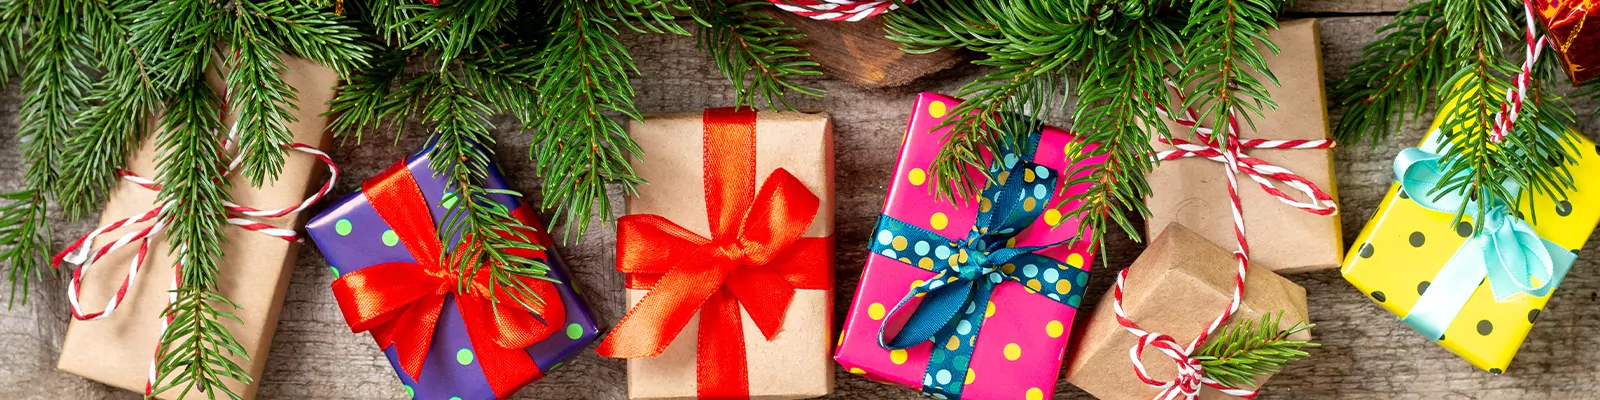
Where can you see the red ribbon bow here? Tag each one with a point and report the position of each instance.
(755, 258)
(400, 302)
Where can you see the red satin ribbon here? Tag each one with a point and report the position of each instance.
(755, 258)
(400, 302)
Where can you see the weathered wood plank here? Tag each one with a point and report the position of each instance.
(1366, 353)
(1347, 6)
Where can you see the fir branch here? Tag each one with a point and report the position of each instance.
(1118, 97)
(935, 25)
(197, 351)
(260, 99)
(1246, 350)
(371, 100)
(116, 118)
(1396, 77)
(755, 51)
(464, 154)
(1473, 164)
(311, 32)
(451, 27)
(1221, 60)
(54, 85)
(654, 16)
(583, 76)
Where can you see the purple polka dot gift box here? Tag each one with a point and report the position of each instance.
(445, 339)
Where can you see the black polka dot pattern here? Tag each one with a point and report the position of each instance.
(1441, 337)
(1496, 371)
(1417, 239)
(1378, 295)
(1485, 327)
(1533, 315)
(1464, 229)
(1403, 194)
(1422, 287)
(1366, 250)
(1564, 208)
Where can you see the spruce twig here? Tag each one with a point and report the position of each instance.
(1248, 349)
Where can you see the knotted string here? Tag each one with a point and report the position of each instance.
(1191, 377)
(838, 10)
(79, 252)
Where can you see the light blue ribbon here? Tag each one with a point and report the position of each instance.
(1505, 251)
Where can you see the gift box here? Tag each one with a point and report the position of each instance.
(728, 253)
(1565, 22)
(1416, 260)
(1177, 287)
(1194, 191)
(383, 243)
(1000, 258)
(254, 268)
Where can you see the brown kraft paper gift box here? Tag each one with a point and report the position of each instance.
(255, 268)
(1177, 287)
(794, 365)
(1194, 191)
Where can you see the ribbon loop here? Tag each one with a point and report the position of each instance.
(756, 258)
(400, 303)
(1505, 251)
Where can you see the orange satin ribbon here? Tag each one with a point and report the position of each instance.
(400, 302)
(755, 258)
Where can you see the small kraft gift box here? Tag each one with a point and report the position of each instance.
(728, 257)
(1475, 287)
(1188, 189)
(114, 345)
(972, 299)
(1174, 287)
(445, 340)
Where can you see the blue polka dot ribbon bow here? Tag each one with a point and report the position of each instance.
(954, 300)
(1505, 251)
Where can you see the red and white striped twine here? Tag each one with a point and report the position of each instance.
(1506, 119)
(1191, 374)
(838, 10)
(79, 252)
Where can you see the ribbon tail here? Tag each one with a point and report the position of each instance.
(412, 334)
(507, 368)
(937, 308)
(1449, 291)
(720, 370)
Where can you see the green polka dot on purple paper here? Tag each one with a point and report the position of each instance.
(464, 356)
(574, 331)
(343, 227)
(411, 393)
(455, 397)
(390, 238)
(334, 269)
(449, 200)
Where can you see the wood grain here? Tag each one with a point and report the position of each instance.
(1366, 353)
(858, 53)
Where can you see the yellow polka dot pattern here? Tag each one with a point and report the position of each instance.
(857, 371)
(876, 311)
(917, 176)
(897, 357)
(1052, 217)
(1035, 394)
(1054, 329)
(1404, 246)
(937, 109)
(939, 221)
(971, 375)
(1013, 351)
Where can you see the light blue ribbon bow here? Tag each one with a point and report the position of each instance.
(1505, 251)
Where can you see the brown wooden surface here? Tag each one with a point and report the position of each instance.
(1366, 353)
(859, 54)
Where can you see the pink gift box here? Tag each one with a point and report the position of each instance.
(1018, 351)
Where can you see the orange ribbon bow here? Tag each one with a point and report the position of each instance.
(400, 302)
(755, 258)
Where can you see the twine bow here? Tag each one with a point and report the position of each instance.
(1191, 377)
(79, 252)
(754, 260)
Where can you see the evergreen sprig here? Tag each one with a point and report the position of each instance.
(1454, 54)
(752, 48)
(1247, 349)
(1118, 55)
(1397, 77)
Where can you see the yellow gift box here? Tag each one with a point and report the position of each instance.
(1404, 245)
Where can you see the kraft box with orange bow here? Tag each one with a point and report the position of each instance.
(972, 300)
(1286, 158)
(728, 257)
(443, 342)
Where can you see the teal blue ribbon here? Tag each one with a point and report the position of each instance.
(966, 272)
(1505, 251)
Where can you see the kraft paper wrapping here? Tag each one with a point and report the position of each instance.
(255, 268)
(1177, 286)
(796, 363)
(1194, 191)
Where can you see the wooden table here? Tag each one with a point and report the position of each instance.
(1366, 353)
